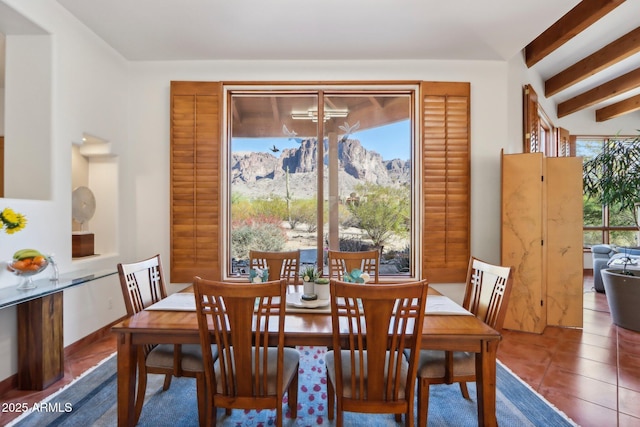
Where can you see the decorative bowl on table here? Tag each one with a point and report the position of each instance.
(25, 264)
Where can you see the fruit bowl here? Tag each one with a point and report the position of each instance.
(27, 267)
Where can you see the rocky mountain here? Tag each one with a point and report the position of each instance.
(261, 174)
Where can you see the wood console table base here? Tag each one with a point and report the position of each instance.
(40, 343)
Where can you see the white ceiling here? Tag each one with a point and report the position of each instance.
(165, 30)
(318, 29)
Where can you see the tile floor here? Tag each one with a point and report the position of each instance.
(592, 374)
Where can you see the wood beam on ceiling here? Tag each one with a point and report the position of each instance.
(618, 109)
(612, 53)
(612, 88)
(571, 24)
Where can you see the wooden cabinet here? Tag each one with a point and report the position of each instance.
(542, 240)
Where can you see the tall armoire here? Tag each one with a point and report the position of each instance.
(542, 240)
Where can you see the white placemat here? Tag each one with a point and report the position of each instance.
(186, 302)
(180, 301)
(440, 304)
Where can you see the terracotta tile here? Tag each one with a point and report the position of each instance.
(586, 367)
(628, 335)
(629, 402)
(628, 421)
(592, 352)
(629, 377)
(584, 413)
(580, 387)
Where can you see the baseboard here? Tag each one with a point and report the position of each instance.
(91, 338)
(11, 383)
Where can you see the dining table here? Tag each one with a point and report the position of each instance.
(447, 326)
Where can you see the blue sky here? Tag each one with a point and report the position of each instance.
(390, 141)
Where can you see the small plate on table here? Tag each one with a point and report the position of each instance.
(295, 299)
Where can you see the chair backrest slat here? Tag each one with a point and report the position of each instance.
(380, 321)
(487, 292)
(239, 318)
(142, 284)
(281, 265)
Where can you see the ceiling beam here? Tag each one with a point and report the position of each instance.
(612, 88)
(614, 52)
(618, 109)
(571, 24)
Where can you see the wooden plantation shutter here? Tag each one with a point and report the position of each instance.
(196, 111)
(446, 181)
(531, 122)
(564, 143)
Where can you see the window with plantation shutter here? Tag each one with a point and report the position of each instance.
(445, 181)
(195, 180)
(197, 205)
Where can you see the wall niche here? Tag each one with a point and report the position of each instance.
(94, 173)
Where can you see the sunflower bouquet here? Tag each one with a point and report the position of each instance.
(12, 221)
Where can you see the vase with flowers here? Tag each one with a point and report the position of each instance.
(12, 221)
(357, 276)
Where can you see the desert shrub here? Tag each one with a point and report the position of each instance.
(259, 233)
(352, 244)
(304, 211)
(271, 206)
(241, 209)
(382, 211)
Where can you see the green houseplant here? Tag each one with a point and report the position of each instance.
(612, 177)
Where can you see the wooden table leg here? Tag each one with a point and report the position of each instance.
(127, 370)
(486, 384)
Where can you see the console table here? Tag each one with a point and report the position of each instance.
(40, 328)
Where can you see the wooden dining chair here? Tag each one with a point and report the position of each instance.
(282, 265)
(367, 370)
(142, 284)
(249, 373)
(486, 296)
(341, 263)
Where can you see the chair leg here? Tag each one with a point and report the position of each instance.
(464, 390)
(201, 392)
(167, 382)
(293, 395)
(331, 398)
(279, 412)
(142, 388)
(423, 402)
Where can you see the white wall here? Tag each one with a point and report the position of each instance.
(1, 111)
(88, 82)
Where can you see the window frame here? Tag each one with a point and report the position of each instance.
(324, 90)
(605, 228)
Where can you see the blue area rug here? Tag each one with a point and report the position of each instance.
(91, 401)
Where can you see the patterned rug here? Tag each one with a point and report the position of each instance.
(91, 401)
